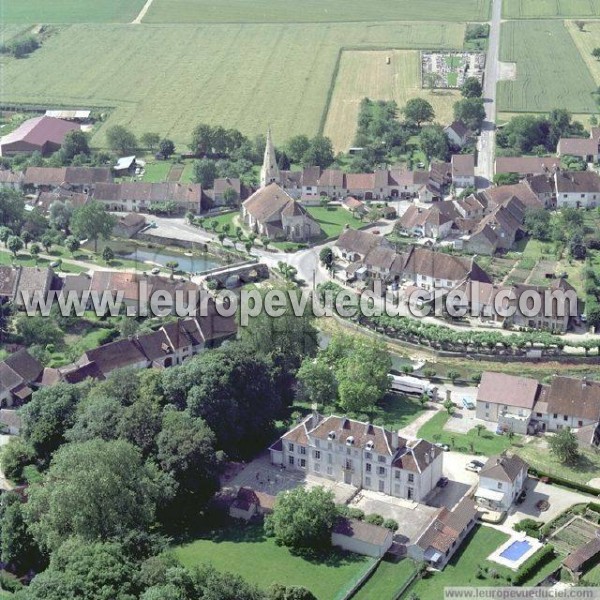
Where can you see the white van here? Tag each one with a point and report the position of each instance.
(412, 385)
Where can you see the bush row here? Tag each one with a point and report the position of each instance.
(533, 564)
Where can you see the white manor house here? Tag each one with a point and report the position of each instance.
(360, 454)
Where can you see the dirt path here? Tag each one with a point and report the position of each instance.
(142, 14)
(412, 429)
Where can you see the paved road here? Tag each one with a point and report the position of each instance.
(487, 139)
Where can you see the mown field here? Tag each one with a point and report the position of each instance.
(550, 70)
(586, 41)
(366, 74)
(168, 79)
(535, 9)
(314, 11)
(68, 11)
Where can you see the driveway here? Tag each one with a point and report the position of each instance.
(559, 498)
(463, 420)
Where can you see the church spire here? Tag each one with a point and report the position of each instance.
(270, 169)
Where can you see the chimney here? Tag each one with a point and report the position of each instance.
(394, 440)
(426, 459)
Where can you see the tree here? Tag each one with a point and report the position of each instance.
(14, 244)
(37, 330)
(35, 252)
(537, 222)
(278, 591)
(296, 148)
(172, 265)
(302, 519)
(418, 111)
(47, 241)
(91, 221)
(205, 172)
(596, 53)
(14, 456)
(60, 214)
(150, 140)
(72, 244)
(12, 209)
(506, 178)
(185, 450)
(319, 153)
(202, 140)
(471, 88)
(75, 144)
(564, 446)
(317, 382)
(326, 257)
(434, 142)
(471, 111)
(230, 197)
(577, 247)
(449, 406)
(121, 140)
(107, 254)
(166, 147)
(453, 376)
(479, 427)
(97, 490)
(5, 233)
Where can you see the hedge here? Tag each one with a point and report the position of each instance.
(574, 485)
(544, 555)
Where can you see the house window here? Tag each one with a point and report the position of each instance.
(579, 423)
(487, 404)
(368, 467)
(411, 478)
(555, 415)
(397, 475)
(381, 471)
(381, 459)
(368, 456)
(291, 460)
(303, 463)
(367, 481)
(302, 450)
(538, 414)
(381, 485)
(329, 470)
(317, 454)
(499, 485)
(291, 447)
(565, 418)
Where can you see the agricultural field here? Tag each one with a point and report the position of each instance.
(366, 74)
(550, 70)
(241, 76)
(67, 11)
(314, 11)
(535, 9)
(586, 41)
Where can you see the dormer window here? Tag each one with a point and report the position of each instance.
(350, 441)
(331, 435)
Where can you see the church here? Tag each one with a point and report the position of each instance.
(271, 211)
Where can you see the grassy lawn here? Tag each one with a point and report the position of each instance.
(366, 74)
(537, 455)
(486, 443)
(261, 78)
(398, 410)
(550, 69)
(25, 260)
(386, 581)
(67, 11)
(462, 569)
(333, 219)
(314, 11)
(534, 9)
(223, 219)
(244, 550)
(156, 172)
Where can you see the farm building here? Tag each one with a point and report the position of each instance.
(362, 538)
(41, 134)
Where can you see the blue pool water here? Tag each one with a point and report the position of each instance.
(516, 550)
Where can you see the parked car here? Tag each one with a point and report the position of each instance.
(444, 447)
(468, 403)
(475, 466)
(54, 264)
(521, 497)
(442, 482)
(155, 271)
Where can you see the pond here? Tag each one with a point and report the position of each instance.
(187, 262)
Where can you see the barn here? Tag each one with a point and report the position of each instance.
(40, 134)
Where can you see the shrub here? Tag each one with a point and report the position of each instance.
(374, 519)
(9, 582)
(530, 526)
(391, 524)
(356, 513)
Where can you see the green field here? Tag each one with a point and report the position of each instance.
(68, 11)
(244, 550)
(333, 219)
(314, 11)
(550, 70)
(167, 79)
(535, 9)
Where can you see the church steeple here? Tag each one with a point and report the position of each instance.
(270, 169)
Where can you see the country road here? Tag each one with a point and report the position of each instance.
(487, 139)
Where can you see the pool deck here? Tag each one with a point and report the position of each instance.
(515, 564)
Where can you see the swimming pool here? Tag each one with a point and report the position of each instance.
(516, 550)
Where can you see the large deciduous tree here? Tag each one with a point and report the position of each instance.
(564, 446)
(93, 222)
(121, 140)
(418, 111)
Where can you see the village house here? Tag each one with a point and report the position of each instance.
(435, 222)
(129, 225)
(463, 170)
(360, 454)
(20, 374)
(40, 134)
(444, 536)
(543, 187)
(250, 503)
(74, 179)
(571, 402)
(526, 165)
(482, 241)
(577, 189)
(458, 133)
(587, 149)
(142, 196)
(353, 245)
(501, 480)
(15, 282)
(221, 185)
(273, 213)
(354, 206)
(363, 538)
(495, 196)
(44, 200)
(11, 180)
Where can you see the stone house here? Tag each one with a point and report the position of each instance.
(501, 480)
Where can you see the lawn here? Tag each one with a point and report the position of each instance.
(398, 410)
(535, 9)
(366, 74)
(333, 219)
(585, 468)
(550, 70)
(473, 442)
(243, 76)
(67, 11)
(24, 260)
(314, 11)
(386, 581)
(462, 568)
(244, 550)
(157, 172)
(229, 218)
